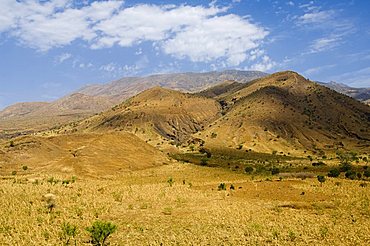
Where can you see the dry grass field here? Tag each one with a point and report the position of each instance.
(149, 209)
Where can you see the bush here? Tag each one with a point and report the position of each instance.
(203, 161)
(24, 168)
(334, 173)
(222, 186)
(205, 151)
(345, 167)
(100, 231)
(232, 187)
(350, 175)
(321, 179)
(248, 169)
(50, 200)
(367, 173)
(170, 181)
(275, 170)
(318, 164)
(68, 232)
(14, 173)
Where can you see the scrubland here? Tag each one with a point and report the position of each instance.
(180, 204)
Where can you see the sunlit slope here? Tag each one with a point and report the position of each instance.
(80, 154)
(285, 112)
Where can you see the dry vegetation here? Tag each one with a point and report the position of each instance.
(149, 209)
(240, 164)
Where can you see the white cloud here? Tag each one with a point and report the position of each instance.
(317, 70)
(324, 44)
(225, 36)
(54, 23)
(198, 33)
(319, 17)
(110, 67)
(332, 27)
(264, 65)
(63, 57)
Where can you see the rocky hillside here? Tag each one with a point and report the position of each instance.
(155, 114)
(97, 98)
(285, 112)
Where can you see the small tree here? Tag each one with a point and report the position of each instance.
(222, 186)
(203, 161)
(321, 179)
(367, 173)
(334, 173)
(275, 170)
(68, 232)
(248, 169)
(350, 174)
(100, 231)
(170, 181)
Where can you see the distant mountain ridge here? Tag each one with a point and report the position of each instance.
(185, 82)
(361, 94)
(93, 99)
(282, 112)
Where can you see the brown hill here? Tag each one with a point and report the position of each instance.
(156, 113)
(361, 94)
(79, 154)
(219, 90)
(37, 116)
(285, 112)
(21, 109)
(96, 98)
(186, 82)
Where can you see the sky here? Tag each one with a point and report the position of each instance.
(49, 48)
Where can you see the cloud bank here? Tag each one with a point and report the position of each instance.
(198, 33)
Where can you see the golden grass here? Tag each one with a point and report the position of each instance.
(148, 211)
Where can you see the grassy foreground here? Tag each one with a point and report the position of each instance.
(150, 209)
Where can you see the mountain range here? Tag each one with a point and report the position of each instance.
(281, 113)
(92, 99)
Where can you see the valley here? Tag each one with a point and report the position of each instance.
(276, 160)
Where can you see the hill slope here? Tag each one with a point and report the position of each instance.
(96, 98)
(185, 82)
(156, 113)
(37, 116)
(361, 94)
(285, 112)
(80, 154)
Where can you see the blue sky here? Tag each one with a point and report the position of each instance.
(50, 48)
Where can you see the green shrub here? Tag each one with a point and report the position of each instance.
(24, 168)
(334, 173)
(170, 181)
(350, 174)
(321, 179)
(248, 169)
(14, 173)
(345, 167)
(100, 231)
(275, 170)
(367, 173)
(232, 187)
(52, 180)
(68, 232)
(222, 186)
(205, 151)
(318, 164)
(203, 161)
